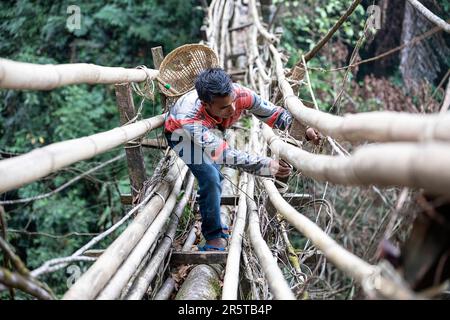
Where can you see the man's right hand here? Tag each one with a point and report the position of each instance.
(280, 169)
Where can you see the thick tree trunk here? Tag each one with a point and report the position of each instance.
(388, 37)
(424, 61)
(202, 283)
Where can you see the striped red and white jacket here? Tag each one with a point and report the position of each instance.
(189, 117)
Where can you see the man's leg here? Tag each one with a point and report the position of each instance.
(210, 191)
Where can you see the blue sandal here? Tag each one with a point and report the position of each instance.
(225, 232)
(224, 235)
(214, 248)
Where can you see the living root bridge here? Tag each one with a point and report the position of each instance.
(425, 165)
(42, 161)
(417, 156)
(372, 126)
(115, 256)
(21, 75)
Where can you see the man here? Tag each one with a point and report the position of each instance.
(217, 103)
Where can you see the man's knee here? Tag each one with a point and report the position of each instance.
(210, 178)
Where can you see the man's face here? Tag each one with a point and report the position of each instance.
(221, 107)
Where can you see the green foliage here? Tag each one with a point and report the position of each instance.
(305, 25)
(80, 113)
(185, 219)
(445, 4)
(246, 122)
(112, 33)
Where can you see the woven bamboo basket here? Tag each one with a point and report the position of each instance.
(180, 67)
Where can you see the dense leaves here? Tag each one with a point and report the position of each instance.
(111, 33)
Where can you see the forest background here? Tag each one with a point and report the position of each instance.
(122, 33)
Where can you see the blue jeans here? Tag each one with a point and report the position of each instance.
(209, 180)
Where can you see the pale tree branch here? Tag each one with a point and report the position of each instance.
(15, 260)
(331, 32)
(446, 103)
(16, 280)
(430, 15)
(65, 185)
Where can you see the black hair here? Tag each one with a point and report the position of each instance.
(213, 82)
